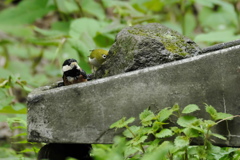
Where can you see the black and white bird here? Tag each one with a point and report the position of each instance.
(72, 73)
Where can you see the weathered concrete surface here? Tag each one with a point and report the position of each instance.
(142, 46)
(82, 113)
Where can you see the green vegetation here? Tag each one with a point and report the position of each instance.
(155, 139)
(36, 36)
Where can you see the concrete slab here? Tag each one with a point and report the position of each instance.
(82, 113)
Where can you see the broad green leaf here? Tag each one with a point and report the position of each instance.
(24, 13)
(139, 139)
(164, 133)
(61, 26)
(93, 8)
(160, 153)
(212, 111)
(217, 115)
(190, 24)
(154, 5)
(52, 34)
(10, 110)
(190, 108)
(19, 106)
(164, 114)
(190, 132)
(175, 107)
(81, 26)
(130, 151)
(181, 141)
(153, 145)
(67, 7)
(122, 122)
(217, 36)
(226, 116)
(146, 117)
(186, 121)
(131, 131)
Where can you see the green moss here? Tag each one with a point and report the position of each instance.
(106, 72)
(172, 41)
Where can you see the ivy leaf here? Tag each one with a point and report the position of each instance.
(122, 122)
(186, 121)
(190, 108)
(164, 133)
(181, 141)
(146, 117)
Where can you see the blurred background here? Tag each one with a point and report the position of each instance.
(36, 36)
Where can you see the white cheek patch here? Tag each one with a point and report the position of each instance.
(66, 68)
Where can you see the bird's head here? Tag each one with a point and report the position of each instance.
(97, 57)
(71, 68)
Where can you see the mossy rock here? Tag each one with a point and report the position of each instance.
(143, 46)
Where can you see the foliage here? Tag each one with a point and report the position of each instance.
(156, 139)
(36, 36)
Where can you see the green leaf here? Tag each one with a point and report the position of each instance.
(221, 115)
(10, 110)
(190, 108)
(212, 111)
(181, 141)
(80, 27)
(217, 36)
(153, 145)
(93, 8)
(219, 136)
(131, 131)
(146, 117)
(122, 122)
(190, 132)
(217, 115)
(190, 24)
(164, 114)
(24, 13)
(67, 7)
(160, 153)
(175, 108)
(164, 133)
(139, 139)
(186, 121)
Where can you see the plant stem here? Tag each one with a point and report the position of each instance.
(141, 146)
(227, 119)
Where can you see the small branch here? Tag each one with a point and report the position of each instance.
(227, 118)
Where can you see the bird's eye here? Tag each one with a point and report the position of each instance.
(104, 56)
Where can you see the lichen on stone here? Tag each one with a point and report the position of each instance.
(143, 46)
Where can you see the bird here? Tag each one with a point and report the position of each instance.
(72, 72)
(97, 57)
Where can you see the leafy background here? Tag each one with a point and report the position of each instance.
(36, 36)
